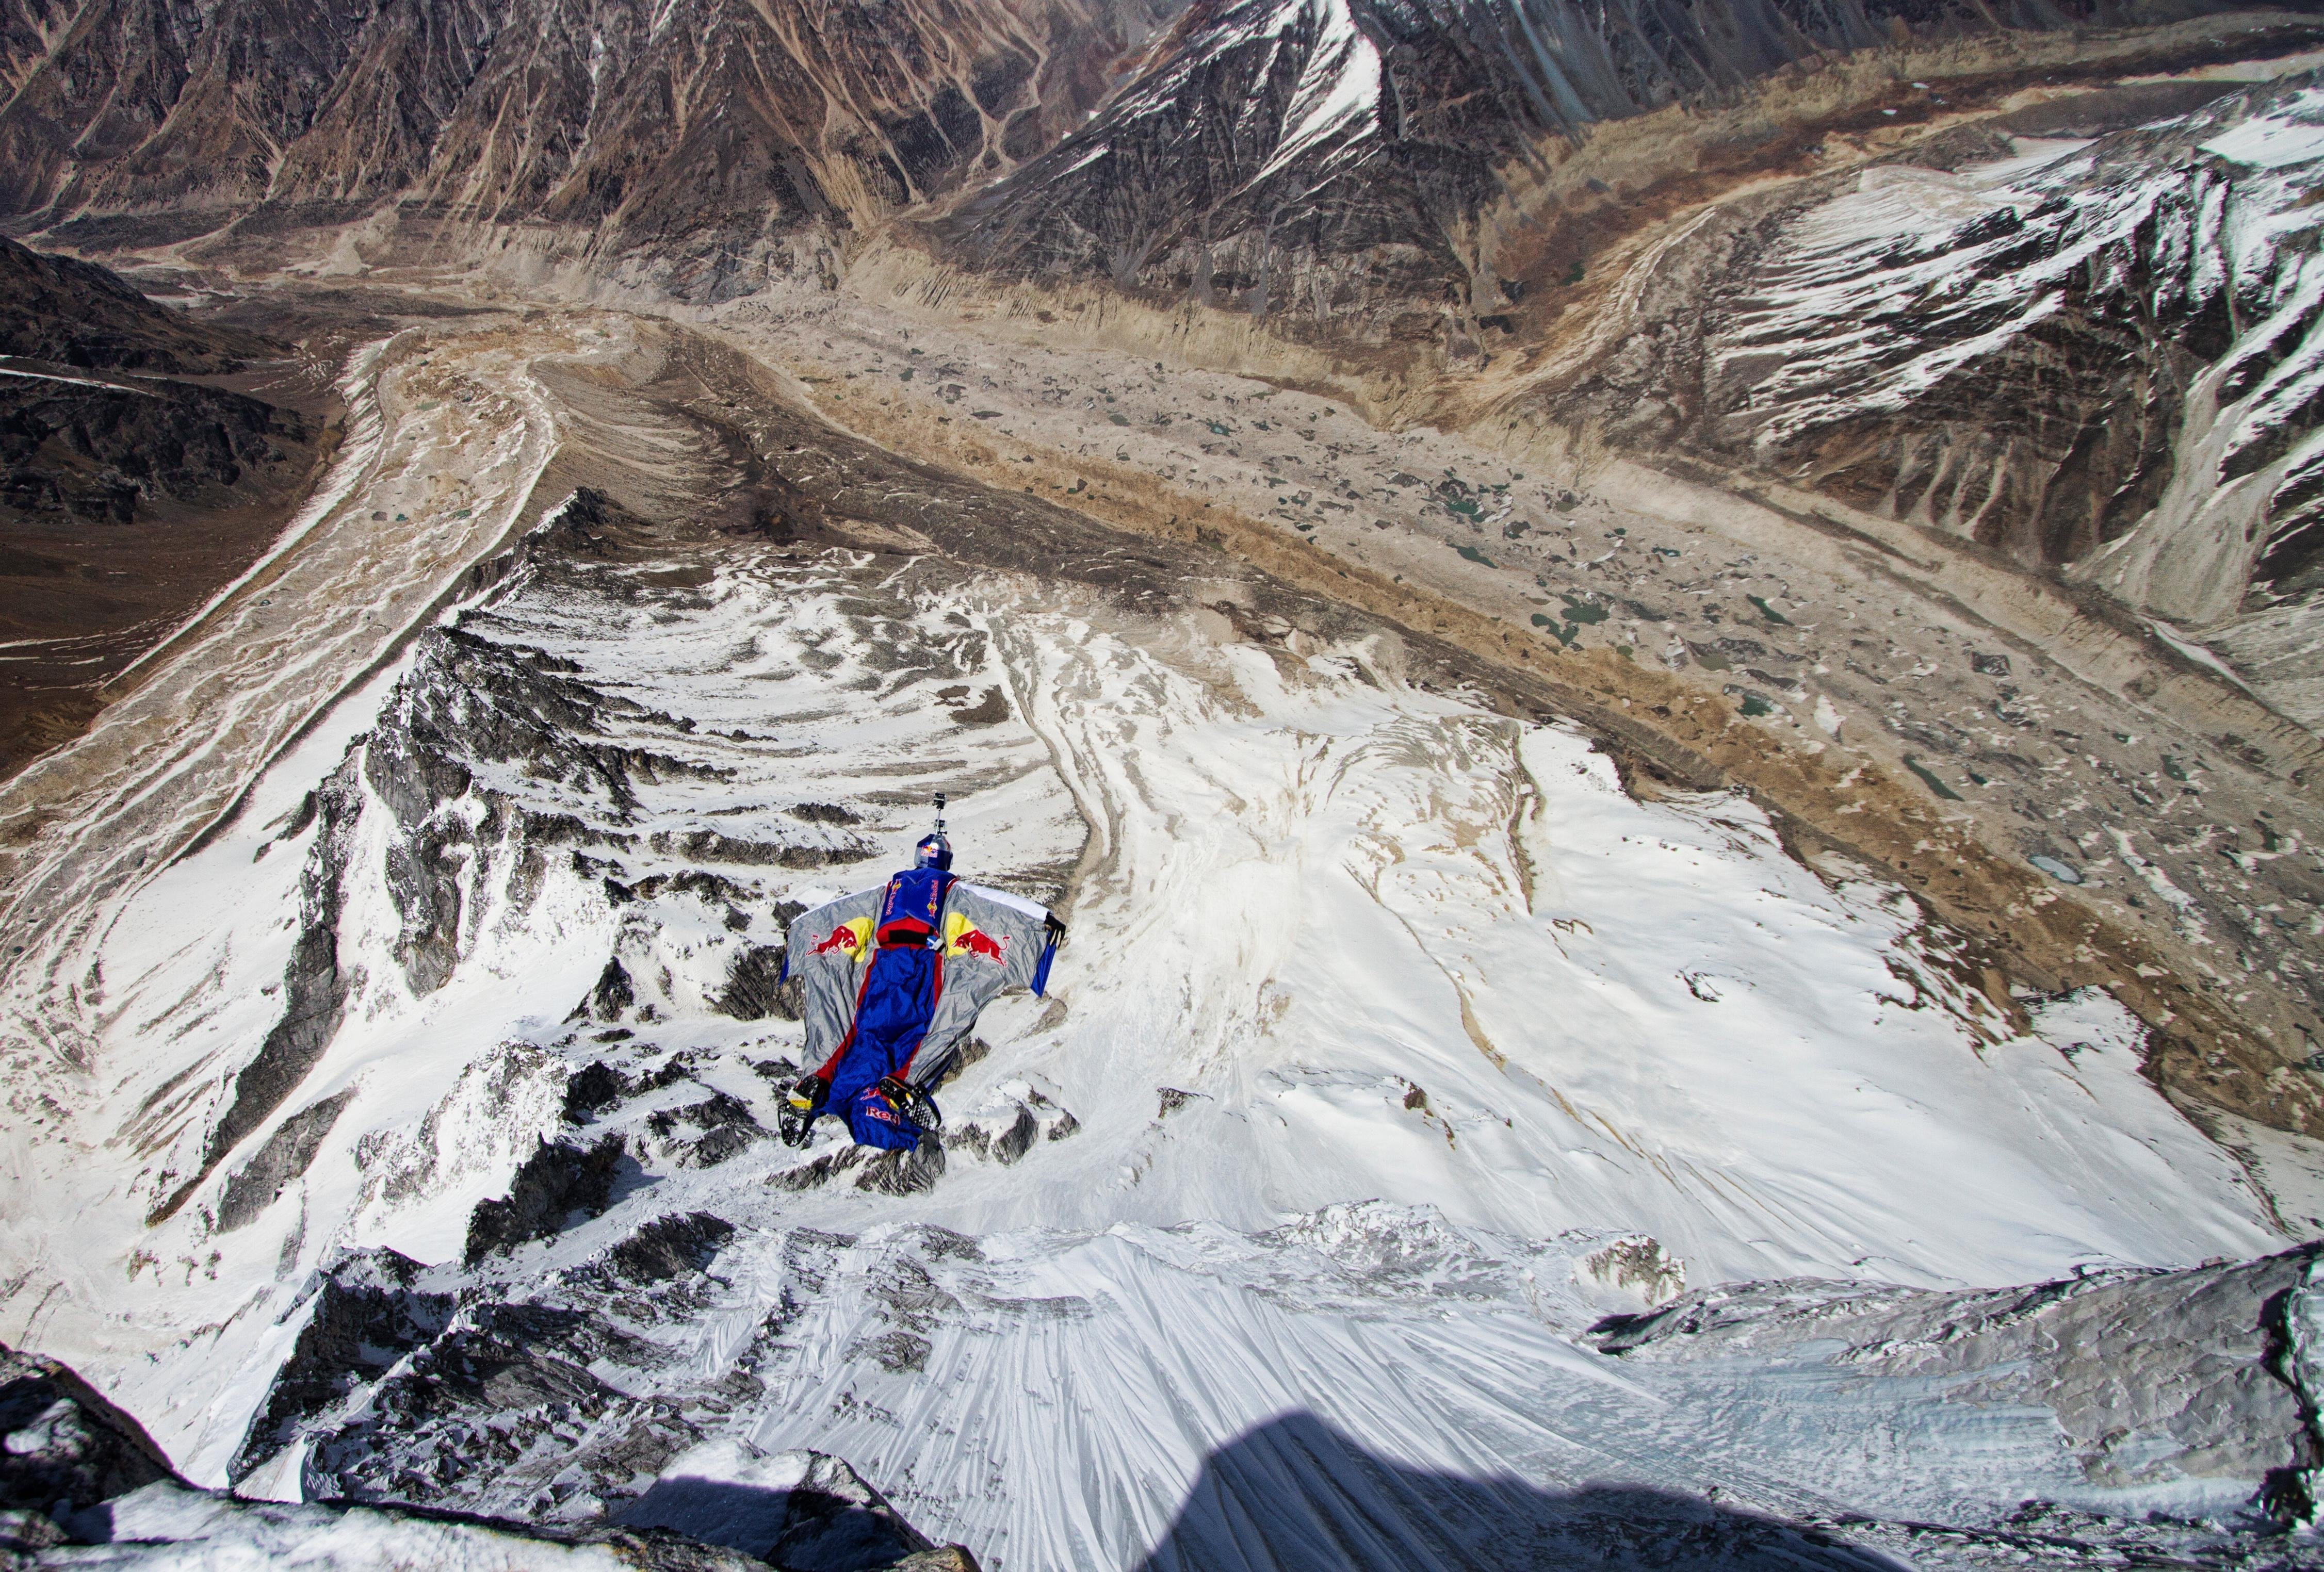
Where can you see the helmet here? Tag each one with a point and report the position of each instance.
(933, 851)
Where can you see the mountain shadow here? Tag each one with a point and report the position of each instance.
(1295, 1495)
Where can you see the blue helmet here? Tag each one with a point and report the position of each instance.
(933, 851)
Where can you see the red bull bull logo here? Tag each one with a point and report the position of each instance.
(844, 938)
(977, 941)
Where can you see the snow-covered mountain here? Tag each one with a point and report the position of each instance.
(1393, 1047)
(1584, 1035)
(1356, 171)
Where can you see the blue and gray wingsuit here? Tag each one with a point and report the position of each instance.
(893, 979)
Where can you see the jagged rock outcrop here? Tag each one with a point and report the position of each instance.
(558, 1181)
(365, 1314)
(65, 1449)
(76, 1470)
(260, 1182)
(314, 1000)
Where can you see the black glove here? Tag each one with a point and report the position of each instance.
(911, 1102)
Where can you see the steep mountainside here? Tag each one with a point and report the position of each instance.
(1647, 984)
(73, 313)
(703, 128)
(479, 1146)
(129, 490)
(1355, 167)
(2102, 359)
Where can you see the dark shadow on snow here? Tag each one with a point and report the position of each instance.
(1295, 1495)
(802, 1529)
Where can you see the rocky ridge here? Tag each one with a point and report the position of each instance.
(78, 1473)
(727, 138)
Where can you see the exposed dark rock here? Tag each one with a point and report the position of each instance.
(700, 882)
(1172, 1099)
(596, 1087)
(709, 845)
(1005, 1143)
(73, 313)
(367, 1315)
(559, 1180)
(974, 1051)
(462, 1396)
(65, 1447)
(259, 1182)
(614, 993)
(727, 1128)
(988, 710)
(89, 455)
(755, 988)
(424, 862)
(667, 1246)
(314, 993)
(904, 1172)
(721, 1141)
(718, 1109)
(818, 1170)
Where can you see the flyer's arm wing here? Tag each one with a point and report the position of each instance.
(824, 951)
(1026, 935)
(992, 941)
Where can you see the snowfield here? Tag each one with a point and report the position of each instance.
(1394, 1045)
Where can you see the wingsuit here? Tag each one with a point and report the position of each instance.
(892, 980)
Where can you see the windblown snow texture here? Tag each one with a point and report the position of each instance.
(512, 1236)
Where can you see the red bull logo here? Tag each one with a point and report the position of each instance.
(977, 941)
(840, 938)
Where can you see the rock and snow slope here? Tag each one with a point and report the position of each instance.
(2098, 356)
(1365, 172)
(1394, 1045)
